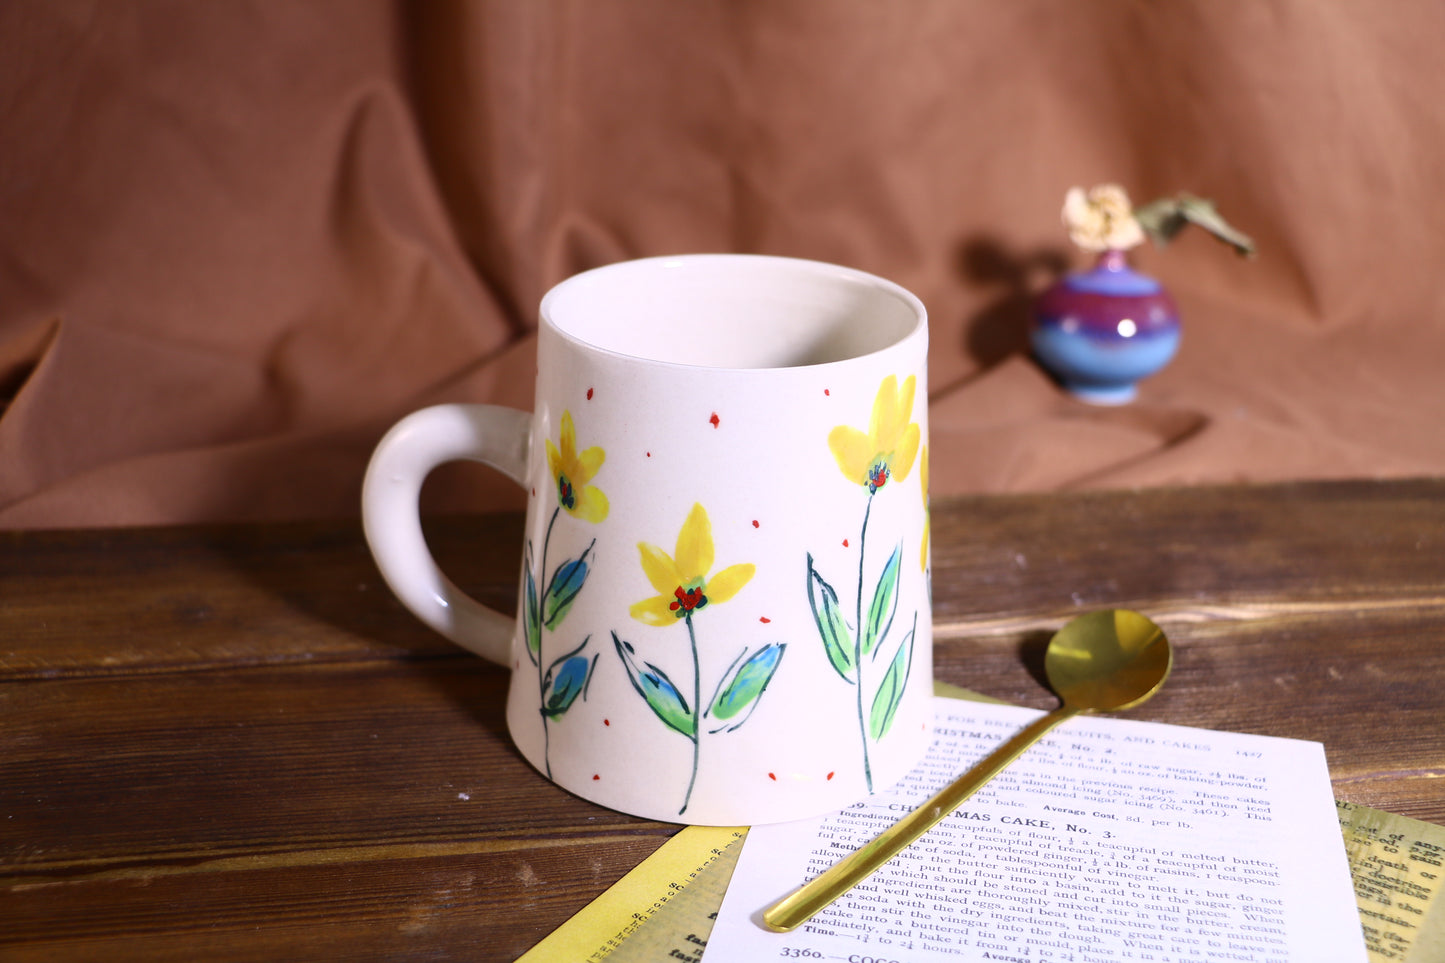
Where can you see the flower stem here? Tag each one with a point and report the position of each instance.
(858, 645)
(541, 649)
(696, 713)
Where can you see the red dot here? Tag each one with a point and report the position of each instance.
(649, 454)
(755, 523)
(845, 543)
(830, 775)
(714, 419)
(589, 398)
(827, 392)
(607, 722)
(595, 777)
(764, 619)
(772, 777)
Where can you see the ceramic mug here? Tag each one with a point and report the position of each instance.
(723, 611)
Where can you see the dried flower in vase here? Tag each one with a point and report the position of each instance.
(1103, 219)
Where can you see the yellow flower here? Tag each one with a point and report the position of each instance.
(571, 472)
(927, 513)
(681, 579)
(891, 444)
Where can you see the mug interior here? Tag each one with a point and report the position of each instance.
(733, 311)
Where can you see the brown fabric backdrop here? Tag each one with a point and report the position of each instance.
(238, 240)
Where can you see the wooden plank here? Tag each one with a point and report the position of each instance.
(490, 906)
(185, 598)
(1229, 553)
(100, 774)
(158, 599)
(376, 807)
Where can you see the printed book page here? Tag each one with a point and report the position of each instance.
(1111, 840)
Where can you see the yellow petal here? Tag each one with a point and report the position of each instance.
(853, 451)
(880, 425)
(660, 569)
(587, 464)
(725, 584)
(569, 440)
(590, 504)
(923, 551)
(902, 461)
(923, 475)
(891, 411)
(904, 407)
(654, 611)
(554, 459)
(694, 545)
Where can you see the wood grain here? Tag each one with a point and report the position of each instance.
(232, 742)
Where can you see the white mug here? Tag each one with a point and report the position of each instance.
(723, 612)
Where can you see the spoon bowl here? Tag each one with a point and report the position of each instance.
(1107, 661)
(1100, 662)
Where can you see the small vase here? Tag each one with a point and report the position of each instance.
(1101, 331)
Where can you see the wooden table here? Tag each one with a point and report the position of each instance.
(232, 743)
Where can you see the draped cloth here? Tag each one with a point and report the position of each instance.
(239, 240)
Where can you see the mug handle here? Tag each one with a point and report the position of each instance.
(496, 436)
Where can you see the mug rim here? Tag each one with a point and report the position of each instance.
(918, 328)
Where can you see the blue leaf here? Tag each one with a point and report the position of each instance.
(742, 688)
(657, 689)
(562, 591)
(568, 683)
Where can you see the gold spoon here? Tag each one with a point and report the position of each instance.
(1100, 662)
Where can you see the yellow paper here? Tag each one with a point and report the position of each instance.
(1397, 864)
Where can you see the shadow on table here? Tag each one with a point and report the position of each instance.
(1031, 648)
(333, 606)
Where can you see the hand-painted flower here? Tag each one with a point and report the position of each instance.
(891, 444)
(572, 471)
(681, 579)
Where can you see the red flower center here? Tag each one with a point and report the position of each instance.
(565, 493)
(877, 476)
(687, 601)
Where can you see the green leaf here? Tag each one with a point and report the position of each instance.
(1197, 210)
(565, 685)
(1164, 218)
(562, 591)
(531, 620)
(740, 689)
(885, 603)
(657, 689)
(1161, 220)
(837, 640)
(890, 692)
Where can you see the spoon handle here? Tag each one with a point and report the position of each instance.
(800, 906)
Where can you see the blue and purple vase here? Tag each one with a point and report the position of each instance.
(1099, 332)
